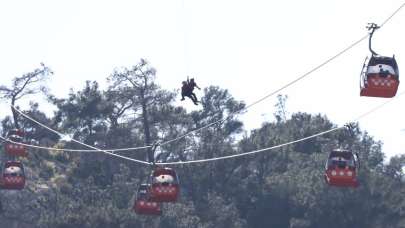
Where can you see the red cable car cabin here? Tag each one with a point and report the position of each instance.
(17, 132)
(14, 149)
(380, 78)
(13, 177)
(143, 205)
(165, 185)
(341, 169)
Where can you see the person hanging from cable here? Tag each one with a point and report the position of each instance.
(187, 90)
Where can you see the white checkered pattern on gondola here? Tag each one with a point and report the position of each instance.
(387, 82)
(15, 180)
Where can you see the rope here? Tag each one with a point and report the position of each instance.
(44, 148)
(284, 144)
(230, 115)
(378, 107)
(272, 93)
(254, 103)
(63, 149)
(251, 152)
(222, 157)
(392, 15)
(290, 83)
(76, 141)
(61, 134)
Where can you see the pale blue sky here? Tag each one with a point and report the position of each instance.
(250, 47)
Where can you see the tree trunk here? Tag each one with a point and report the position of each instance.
(15, 113)
(146, 127)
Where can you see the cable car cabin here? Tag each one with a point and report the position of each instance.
(341, 169)
(13, 177)
(165, 185)
(380, 78)
(143, 205)
(17, 132)
(14, 149)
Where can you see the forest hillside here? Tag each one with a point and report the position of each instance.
(279, 188)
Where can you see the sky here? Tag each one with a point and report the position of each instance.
(250, 47)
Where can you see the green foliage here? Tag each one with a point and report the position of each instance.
(279, 188)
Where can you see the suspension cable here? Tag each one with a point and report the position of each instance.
(250, 152)
(63, 149)
(224, 119)
(290, 83)
(254, 103)
(284, 144)
(46, 148)
(272, 93)
(392, 15)
(77, 141)
(227, 156)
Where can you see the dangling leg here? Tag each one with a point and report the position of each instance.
(194, 98)
(191, 98)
